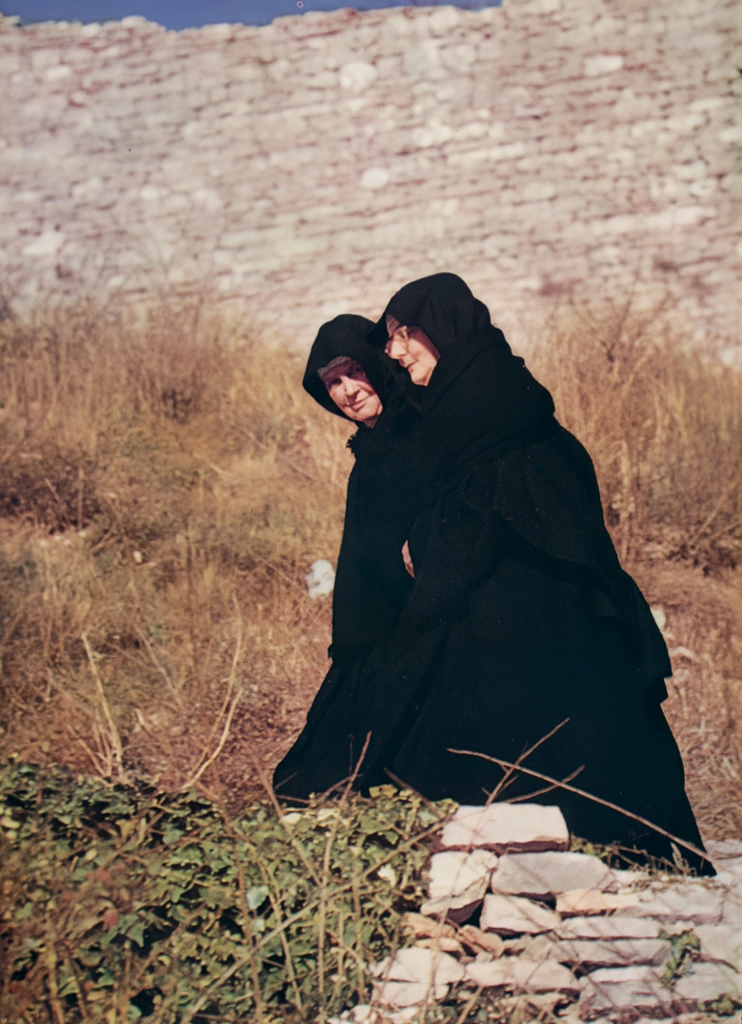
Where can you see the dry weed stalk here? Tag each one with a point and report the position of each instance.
(109, 756)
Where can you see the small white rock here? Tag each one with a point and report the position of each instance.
(513, 915)
(320, 578)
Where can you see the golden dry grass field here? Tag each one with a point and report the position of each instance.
(165, 486)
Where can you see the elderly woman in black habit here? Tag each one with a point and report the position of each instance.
(521, 615)
(348, 377)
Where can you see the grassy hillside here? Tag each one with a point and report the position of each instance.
(165, 487)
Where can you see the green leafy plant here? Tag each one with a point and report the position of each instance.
(121, 902)
(685, 947)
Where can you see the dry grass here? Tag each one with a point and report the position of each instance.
(164, 488)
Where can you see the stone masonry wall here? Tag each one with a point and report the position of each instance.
(544, 149)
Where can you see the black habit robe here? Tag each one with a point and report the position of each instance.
(521, 615)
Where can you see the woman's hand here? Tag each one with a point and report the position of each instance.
(407, 559)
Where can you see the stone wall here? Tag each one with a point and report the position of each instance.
(543, 149)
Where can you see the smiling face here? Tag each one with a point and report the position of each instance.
(413, 349)
(351, 391)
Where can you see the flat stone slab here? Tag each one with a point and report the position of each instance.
(409, 993)
(591, 953)
(705, 983)
(506, 828)
(514, 915)
(689, 901)
(593, 901)
(618, 990)
(544, 875)
(544, 976)
(443, 942)
(523, 975)
(427, 927)
(609, 928)
(459, 876)
(476, 939)
(419, 965)
(720, 942)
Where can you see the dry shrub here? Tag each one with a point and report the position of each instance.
(662, 424)
(166, 484)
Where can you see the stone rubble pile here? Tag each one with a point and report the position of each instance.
(511, 909)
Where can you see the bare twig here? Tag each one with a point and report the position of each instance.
(230, 708)
(526, 753)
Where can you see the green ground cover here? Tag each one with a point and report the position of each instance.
(121, 903)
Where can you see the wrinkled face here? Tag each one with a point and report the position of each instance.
(413, 349)
(351, 391)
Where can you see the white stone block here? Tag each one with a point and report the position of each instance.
(456, 874)
(689, 901)
(57, 73)
(419, 966)
(434, 133)
(408, 993)
(375, 178)
(544, 976)
(476, 939)
(705, 983)
(47, 244)
(513, 915)
(720, 942)
(541, 875)
(590, 953)
(538, 190)
(425, 927)
(613, 990)
(523, 975)
(490, 973)
(609, 928)
(602, 64)
(444, 20)
(506, 827)
(593, 901)
(357, 75)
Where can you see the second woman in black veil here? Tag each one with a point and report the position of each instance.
(371, 584)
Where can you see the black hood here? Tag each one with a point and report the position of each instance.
(346, 336)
